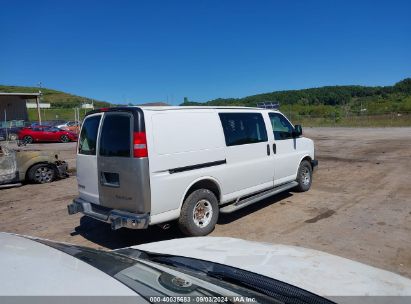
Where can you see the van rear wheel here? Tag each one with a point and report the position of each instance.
(199, 213)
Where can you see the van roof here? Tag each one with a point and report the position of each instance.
(175, 108)
(162, 108)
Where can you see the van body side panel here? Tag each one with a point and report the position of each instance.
(187, 138)
(183, 146)
(182, 139)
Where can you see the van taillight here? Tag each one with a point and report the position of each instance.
(140, 144)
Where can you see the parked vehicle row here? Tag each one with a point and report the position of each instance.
(141, 166)
(9, 129)
(9, 133)
(46, 134)
(71, 126)
(29, 132)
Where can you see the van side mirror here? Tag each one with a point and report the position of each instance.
(298, 131)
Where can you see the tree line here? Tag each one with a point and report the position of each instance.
(325, 96)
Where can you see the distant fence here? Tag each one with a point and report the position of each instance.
(56, 114)
(350, 119)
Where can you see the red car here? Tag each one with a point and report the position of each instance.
(46, 134)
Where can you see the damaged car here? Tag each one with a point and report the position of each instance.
(17, 166)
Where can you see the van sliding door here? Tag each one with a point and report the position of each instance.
(248, 153)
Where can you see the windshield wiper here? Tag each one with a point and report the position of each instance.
(271, 290)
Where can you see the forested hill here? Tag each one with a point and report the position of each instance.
(314, 101)
(380, 99)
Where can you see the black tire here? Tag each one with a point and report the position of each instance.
(304, 176)
(64, 139)
(28, 139)
(193, 223)
(41, 174)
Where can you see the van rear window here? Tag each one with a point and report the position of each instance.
(243, 128)
(88, 136)
(115, 137)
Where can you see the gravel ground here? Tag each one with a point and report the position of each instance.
(359, 206)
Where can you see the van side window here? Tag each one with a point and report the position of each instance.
(243, 128)
(115, 137)
(88, 136)
(281, 127)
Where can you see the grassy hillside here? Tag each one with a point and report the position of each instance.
(57, 99)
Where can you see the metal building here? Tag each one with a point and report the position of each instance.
(13, 105)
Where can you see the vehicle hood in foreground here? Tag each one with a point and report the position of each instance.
(29, 268)
(318, 272)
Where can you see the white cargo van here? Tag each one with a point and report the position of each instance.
(140, 166)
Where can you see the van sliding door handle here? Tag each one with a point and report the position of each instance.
(274, 148)
(268, 149)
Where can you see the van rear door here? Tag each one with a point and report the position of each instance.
(123, 163)
(87, 159)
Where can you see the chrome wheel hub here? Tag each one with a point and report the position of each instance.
(305, 176)
(44, 175)
(202, 213)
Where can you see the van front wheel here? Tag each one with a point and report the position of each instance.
(199, 213)
(304, 176)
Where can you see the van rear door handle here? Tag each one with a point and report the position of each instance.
(274, 148)
(268, 149)
(110, 179)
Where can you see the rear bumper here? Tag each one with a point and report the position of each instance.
(314, 163)
(117, 218)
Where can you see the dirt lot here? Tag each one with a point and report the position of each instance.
(359, 206)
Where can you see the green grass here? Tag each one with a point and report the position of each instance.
(388, 120)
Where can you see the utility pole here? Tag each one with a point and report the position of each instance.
(38, 104)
